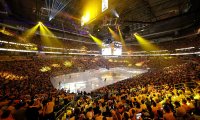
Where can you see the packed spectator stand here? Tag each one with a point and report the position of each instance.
(155, 44)
(168, 91)
(29, 94)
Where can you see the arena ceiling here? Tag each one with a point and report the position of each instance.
(134, 15)
(129, 10)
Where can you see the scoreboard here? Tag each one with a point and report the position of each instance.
(114, 48)
(104, 5)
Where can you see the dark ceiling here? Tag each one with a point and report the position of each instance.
(129, 10)
(133, 14)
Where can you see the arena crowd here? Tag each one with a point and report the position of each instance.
(26, 93)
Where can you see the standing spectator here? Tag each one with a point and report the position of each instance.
(49, 110)
(32, 112)
(20, 113)
(168, 115)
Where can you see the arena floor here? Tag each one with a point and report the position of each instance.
(93, 79)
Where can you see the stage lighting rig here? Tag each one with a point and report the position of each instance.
(55, 6)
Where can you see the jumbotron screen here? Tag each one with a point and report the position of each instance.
(104, 5)
(114, 48)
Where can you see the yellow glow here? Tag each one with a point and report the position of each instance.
(120, 34)
(11, 76)
(29, 33)
(110, 60)
(146, 45)
(129, 52)
(48, 38)
(90, 11)
(121, 39)
(114, 35)
(98, 41)
(44, 37)
(67, 63)
(6, 32)
(168, 57)
(83, 49)
(139, 64)
(45, 69)
(197, 97)
(55, 65)
(40, 23)
(85, 18)
(129, 65)
(48, 32)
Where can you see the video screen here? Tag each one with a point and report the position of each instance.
(104, 5)
(106, 51)
(117, 51)
(114, 48)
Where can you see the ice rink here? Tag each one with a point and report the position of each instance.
(93, 79)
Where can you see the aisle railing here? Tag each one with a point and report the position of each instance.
(61, 112)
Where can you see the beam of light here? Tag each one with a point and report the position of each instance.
(44, 37)
(61, 6)
(98, 41)
(120, 35)
(114, 34)
(115, 13)
(115, 21)
(54, 39)
(122, 39)
(28, 34)
(50, 9)
(145, 44)
(55, 7)
(85, 19)
(47, 5)
(48, 32)
(47, 37)
(6, 32)
(90, 11)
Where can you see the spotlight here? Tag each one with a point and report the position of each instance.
(88, 32)
(28, 34)
(114, 34)
(145, 44)
(40, 23)
(135, 33)
(97, 40)
(50, 18)
(115, 13)
(55, 7)
(85, 19)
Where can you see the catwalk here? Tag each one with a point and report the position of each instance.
(93, 79)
